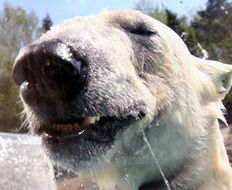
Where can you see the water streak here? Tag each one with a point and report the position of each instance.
(156, 160)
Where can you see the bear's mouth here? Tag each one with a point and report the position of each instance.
(100, 129)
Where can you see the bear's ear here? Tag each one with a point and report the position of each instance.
(219, 73)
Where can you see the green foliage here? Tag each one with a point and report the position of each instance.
(144, 6)
(213, 28)
(17, 28)
(174, 22)
(159, 14)
(147, 7)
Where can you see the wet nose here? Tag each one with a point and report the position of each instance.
(45, 73)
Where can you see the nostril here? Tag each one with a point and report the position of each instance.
(18, 74)
(65, 77)
(24, 77)
(28, 92)
(75, 78)
(21, 72)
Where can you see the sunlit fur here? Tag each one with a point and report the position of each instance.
(181, 94)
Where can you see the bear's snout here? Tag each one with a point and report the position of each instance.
(44, 74)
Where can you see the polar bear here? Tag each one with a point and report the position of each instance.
(119, 99)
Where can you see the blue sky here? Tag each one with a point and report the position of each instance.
(63, 9)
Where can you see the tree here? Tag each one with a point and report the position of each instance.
(182, 28)
(47, 23)
(17, 28)
(174, 22)
(144, 6)
(148, 8)
(213, 27)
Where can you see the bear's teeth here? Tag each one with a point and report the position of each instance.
(75, 127)
(97, 118)
(90, 120)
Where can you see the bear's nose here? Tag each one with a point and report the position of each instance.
(44, 72)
